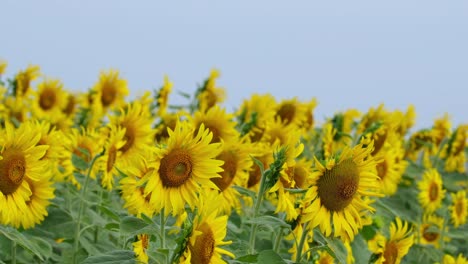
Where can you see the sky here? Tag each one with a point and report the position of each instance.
(347, 54)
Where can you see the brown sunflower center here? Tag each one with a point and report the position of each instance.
(78, 152)
(230, 170)
(68, 110)
(336, 187)
(459, 208)
(111, 156)
(144, 241)
(379, 142)
(12, 171)
(255, 174)
(109, 93)
(47, 99)
(129, 138)
(175, 168)
(433, 191)
(382, 169)
(286, 113)
(391, 253)
(429, 236)
(297, 177)
(204, 246)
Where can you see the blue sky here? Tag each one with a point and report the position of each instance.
(345, 53)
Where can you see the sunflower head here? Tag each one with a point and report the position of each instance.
(110, 90)
(459, 208)
(209, 95)
(218, 122)
(163, 96)
(24, 78)
(3, 66)
(50, 98)
(430, 230)
(431, 192)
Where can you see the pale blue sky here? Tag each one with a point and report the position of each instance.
(345, 53)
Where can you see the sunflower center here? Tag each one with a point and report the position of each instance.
(175, 168)
(111, 156)
(216, 133)
(430, 236)
(204, 246)
(286, 113)
(108, 94)
(144, 241)
(391, 253)
(47, 99)
(379, 143)
(336, 187)
(12, 171)
(459, 207)
(230, 170)
(68, 110)
(382, 169)
(129, 139)
(433, 191)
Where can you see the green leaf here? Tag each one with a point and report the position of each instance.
(270, 257)
(268, 220)
(21, 240)
(130, 225)
(244, 191)
(109, 213)
(43, 246)
(112, 257)
(249, 258)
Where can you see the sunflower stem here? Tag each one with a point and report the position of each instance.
(301, 243)
(80, 208)
(13, 252)
(278, 239)
(258, 202)
(163, 227)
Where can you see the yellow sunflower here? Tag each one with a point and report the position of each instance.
(24, 183)
(263, 153)
(70, 107)
(392, 250)
(430, 191)
(140, 247)
(218, 122)
(136, 121)
(167, 120)
(292, 112)
(430, 230)
(3, 66)
(459, 208)
(208, 233)
(454, 153)
(210, 94)
(24, 78)
(133, 188)
(49, 98)
(163, 96)
(441, 129)
(324, 258)
(309, 113)
(109, 163)
(390, 169)
(237, 163)
(17, 108)
(422, 140)
(183, 167)
(110, 91)
(405, 121)
(258, 111)
(336, 197)
(448, 259)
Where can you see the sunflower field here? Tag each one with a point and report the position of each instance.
(95, 177)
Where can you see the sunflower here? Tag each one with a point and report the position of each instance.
(49, 98)
(448, 259)
(264, 154)
(218, 122)
(136, 121)
(168, 120)
(392, 250)
(17, 108)
(441, 129)
(405, 121)
(24, 184)
(324, 258)
(257, 111)
(459, 208)
(183, 167)
(430, 230)
(163, 96)
(390, 169)
(140, 247)
(454, 152)
(70, 107)
(208, 233)
(430, 190)
(24, 78)
(3, 66)
(109, 163)
(237, 164)
(132, 187)
(110, 91)
(338, 188)
(291, 111)
(309, 114)
(209, 95)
